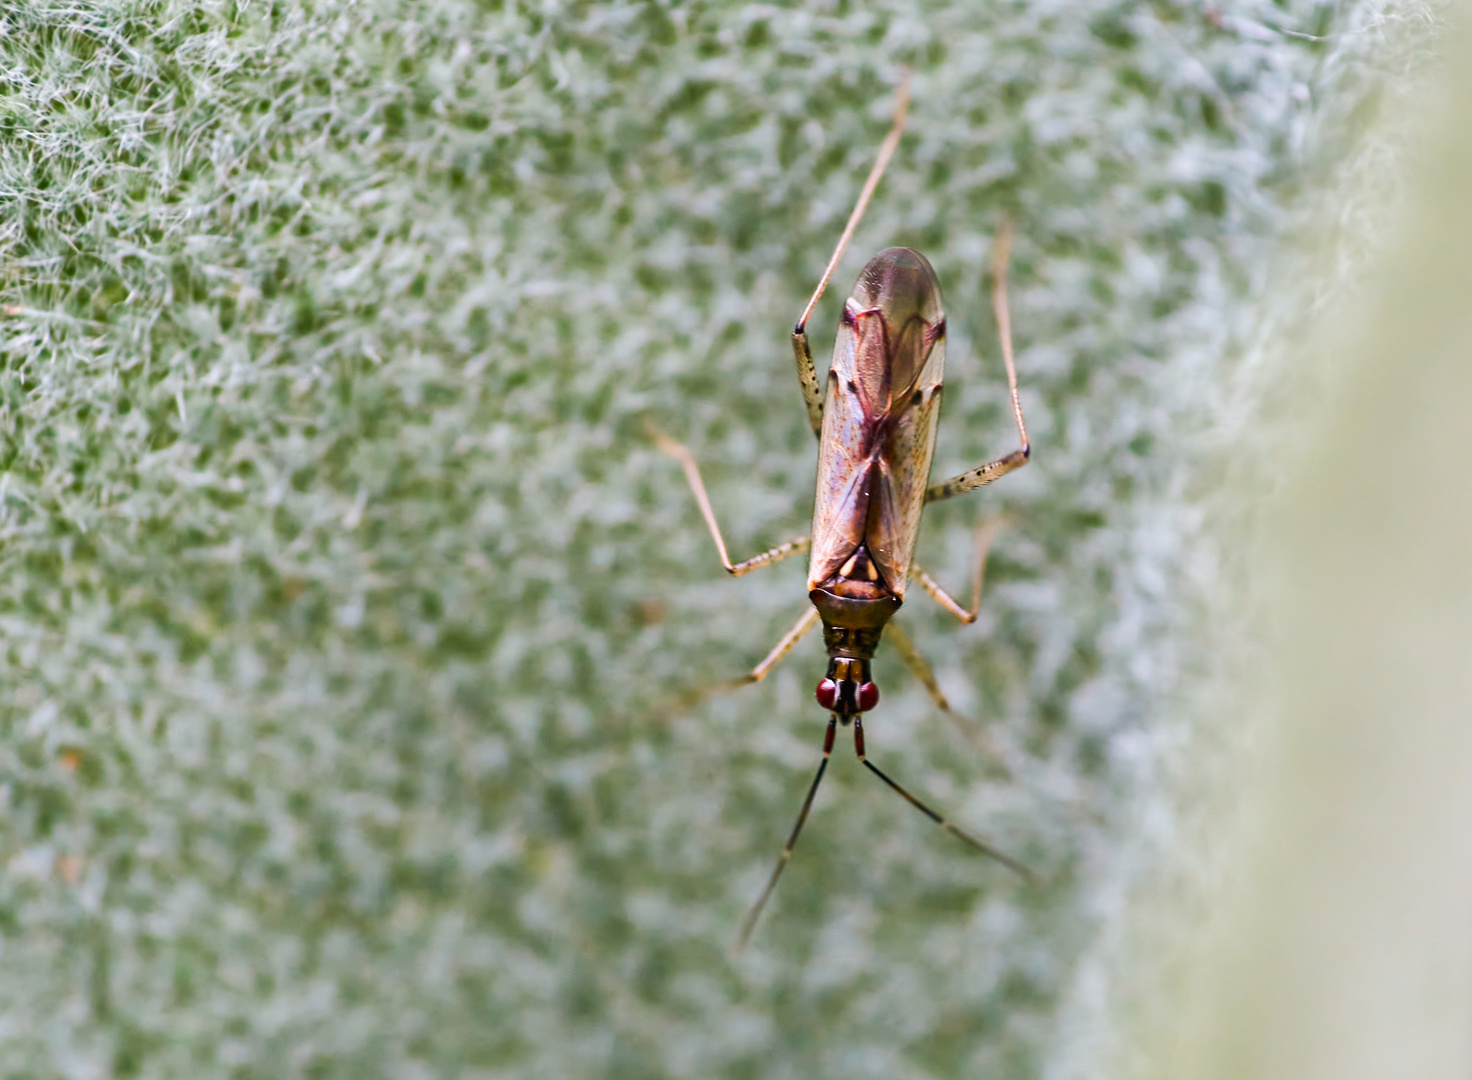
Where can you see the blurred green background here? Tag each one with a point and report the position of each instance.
(340, 590)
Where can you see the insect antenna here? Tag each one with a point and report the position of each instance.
(749, 923)
(985, 848)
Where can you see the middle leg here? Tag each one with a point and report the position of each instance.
(681, 453)
(994, 470)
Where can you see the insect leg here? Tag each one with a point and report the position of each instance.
(807, 375)
(984, 535)
(921, 670)
(681, 453)
(755, 675)
(986, 849)
(780, 650)
(749, 923)
(985, 474)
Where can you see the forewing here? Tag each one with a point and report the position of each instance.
(879, 418)
(898, 495)
(841, 507)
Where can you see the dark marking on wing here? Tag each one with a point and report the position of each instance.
(872, 363)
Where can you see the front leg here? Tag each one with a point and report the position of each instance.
(922, 671)
(690, 699)
(984, 536)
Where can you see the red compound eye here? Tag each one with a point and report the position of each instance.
(828, 694)
(868, 696)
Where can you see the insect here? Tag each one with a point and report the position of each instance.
(875, 417)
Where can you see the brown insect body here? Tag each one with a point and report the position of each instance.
(876, 421)
(878, 438)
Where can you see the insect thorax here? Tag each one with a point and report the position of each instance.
(852, 627)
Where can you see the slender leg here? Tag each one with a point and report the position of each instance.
(986, 849)
(921, 670)
(807, 375)
(985, 474)
(749, 923)
(682, 454)
(984, 536)
(688, 701)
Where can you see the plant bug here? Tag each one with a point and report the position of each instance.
(876, 424)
